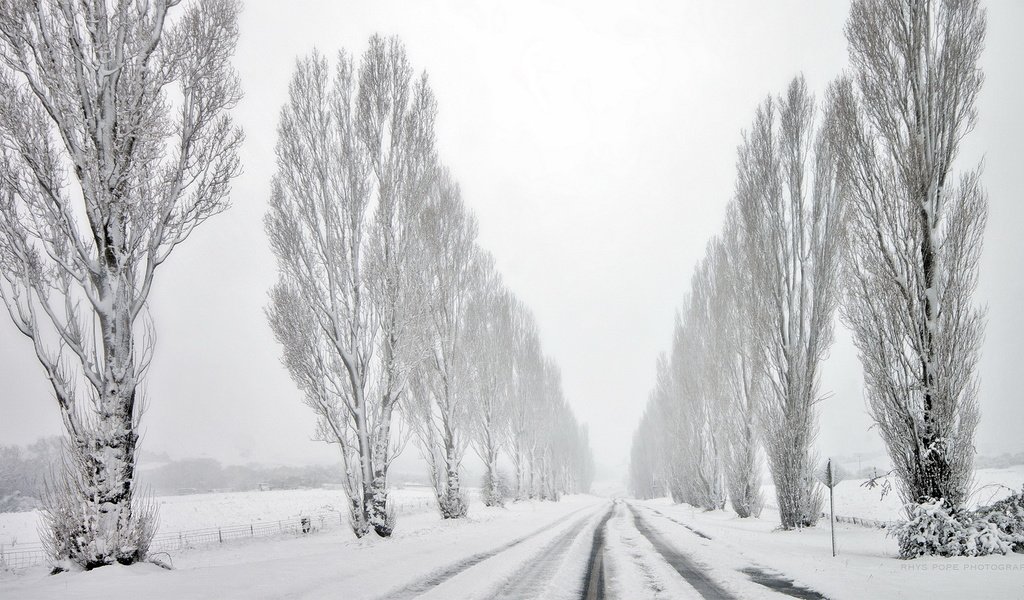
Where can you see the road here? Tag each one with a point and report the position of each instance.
(613, 550)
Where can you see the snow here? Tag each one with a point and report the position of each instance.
(852, 499)
(634, 568)
(200, 511)
(866, 565)
(536, 550)
(327, 564)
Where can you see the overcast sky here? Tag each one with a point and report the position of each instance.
(596, 143)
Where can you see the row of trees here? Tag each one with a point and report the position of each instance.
(392, 318)
(755, 326)
(117, 142)
(854, 208)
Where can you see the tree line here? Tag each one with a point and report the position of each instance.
(392, 319)
(848, 204)
(117, 142)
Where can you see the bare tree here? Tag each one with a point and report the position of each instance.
(137, 109)
(455, 271)
(548, 425)
(396, 126)
(490, 325)
(789, 198)
(549, 448)
(916, 234)
(354, 159)
(644, 456)
(697, 385)
(739, 364)
(528, 381)
(671, 465)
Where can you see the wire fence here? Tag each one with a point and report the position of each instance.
(21, 556)
(874, 523)
(27, 555)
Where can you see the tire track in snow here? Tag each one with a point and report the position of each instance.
(677, 522)
(690, 570)
(593, 581)
(781, 584)
(769, 578)
(531, 579)
(442, 575)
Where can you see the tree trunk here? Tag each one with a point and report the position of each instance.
(493, 495)
(452, 504)
(519, 459)
(377, 509)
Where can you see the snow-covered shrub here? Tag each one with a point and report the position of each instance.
(498, 491)
(453, 506)
(936, 530)
(73, 532)
(1007, 516)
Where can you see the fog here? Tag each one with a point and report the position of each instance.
(596, 144)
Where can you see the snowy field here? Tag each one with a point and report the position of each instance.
(200, 511)
(854, 500)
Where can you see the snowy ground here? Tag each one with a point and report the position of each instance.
(854, 500)
(533, 549)
(199, 511)
(582, 546)
(741, 551)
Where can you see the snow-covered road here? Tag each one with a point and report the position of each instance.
(529, 550)
(580, 547)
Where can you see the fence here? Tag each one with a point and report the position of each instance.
(861, 521)
(875, 523)
(27, 555)
(21, 556)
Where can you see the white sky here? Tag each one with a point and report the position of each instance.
(596, 143)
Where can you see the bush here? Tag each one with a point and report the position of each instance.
(453, 506)
(1008, 517)
(936, 530)
(69, 534)
(499, 491)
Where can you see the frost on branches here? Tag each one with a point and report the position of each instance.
(491, 320)
(916, 235)
(453, 271)
(741, 373)
(116, 145)
(789, 196)
(754, 328)
(354, 160)
(388, 313)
